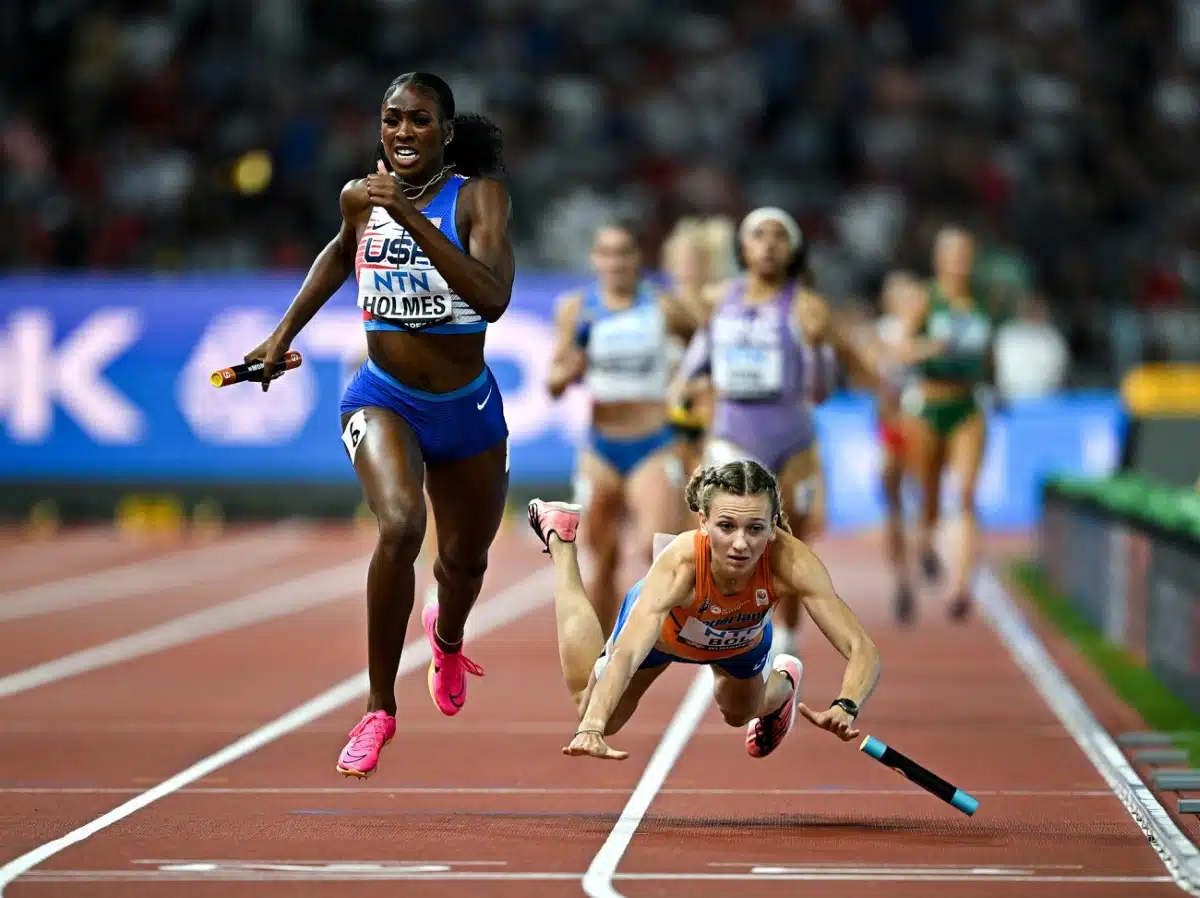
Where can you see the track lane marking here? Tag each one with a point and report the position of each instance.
(510, 604)
(178, 569)
(325, 584)
(598, 879)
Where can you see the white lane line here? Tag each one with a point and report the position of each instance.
(27, 558)
(306, 591)
(200, 871)
(342, 866)
(1178, 854)
(511, 604)
(597, 881)
(491, 728)
(534, 790)
(186, 567)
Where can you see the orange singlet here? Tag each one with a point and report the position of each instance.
(716, 627)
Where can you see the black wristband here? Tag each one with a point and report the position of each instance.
(847, 705)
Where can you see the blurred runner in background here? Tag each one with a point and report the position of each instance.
(615, 337)
(698, 255)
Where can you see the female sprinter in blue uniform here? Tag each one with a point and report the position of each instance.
(427, 236)
(707, 599)
(616, 336)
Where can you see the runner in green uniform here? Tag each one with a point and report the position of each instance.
(948, 341)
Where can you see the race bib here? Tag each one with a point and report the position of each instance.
(626, 357)
(615, 378)
(700, 635)
(964, 333)
(972, 335)
(747, 372)
(353, 432)
(404, 297)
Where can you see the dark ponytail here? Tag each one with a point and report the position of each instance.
(477, 150)
(477, 147)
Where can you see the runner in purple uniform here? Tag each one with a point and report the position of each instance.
(772, 354)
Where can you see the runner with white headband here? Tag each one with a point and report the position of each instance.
(772, 355)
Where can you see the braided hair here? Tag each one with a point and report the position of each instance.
(477, 150)
(737, 478)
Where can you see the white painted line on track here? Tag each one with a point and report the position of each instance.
(547, 790)
(511, 604)
(279, 600)
(28, 557)
(202, 871)
(597, 881)
(1177, 852)
(185, 567)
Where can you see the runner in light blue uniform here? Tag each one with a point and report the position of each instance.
(620, 339)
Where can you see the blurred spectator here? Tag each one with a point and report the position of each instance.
(1031, 355)
(1055, 129)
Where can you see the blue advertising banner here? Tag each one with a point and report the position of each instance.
(106, 379)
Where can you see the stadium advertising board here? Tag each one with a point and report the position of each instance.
(107, 379)
(1135, 584)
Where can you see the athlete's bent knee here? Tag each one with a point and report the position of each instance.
(402, 528)
(462, 566)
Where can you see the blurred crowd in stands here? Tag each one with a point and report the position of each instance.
(168, 134)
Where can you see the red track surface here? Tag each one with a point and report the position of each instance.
(487, 794)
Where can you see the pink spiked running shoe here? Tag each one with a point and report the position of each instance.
(448, 670)
(561, 518)
(763, 734)
(360, 757)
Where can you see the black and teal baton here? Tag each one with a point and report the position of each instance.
(914, 772)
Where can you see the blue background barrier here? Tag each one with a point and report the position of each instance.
(106, 379)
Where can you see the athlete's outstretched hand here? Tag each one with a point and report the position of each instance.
(590, 742)
(835, 719)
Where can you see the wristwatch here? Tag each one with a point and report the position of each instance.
(846, 705)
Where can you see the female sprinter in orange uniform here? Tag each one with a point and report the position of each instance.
(707, 599)
(427, 237)
(615, 336)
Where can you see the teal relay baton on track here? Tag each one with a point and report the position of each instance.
(914, 772)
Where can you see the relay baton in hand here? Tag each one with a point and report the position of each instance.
(914, 772)
(252, 371)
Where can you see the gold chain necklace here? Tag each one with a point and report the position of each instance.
(405, 188)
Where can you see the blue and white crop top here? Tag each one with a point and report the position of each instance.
(398, 287)
(628, 350)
